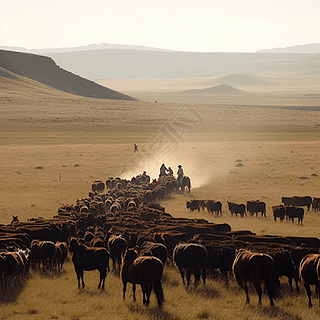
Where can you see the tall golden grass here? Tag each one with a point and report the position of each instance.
(57, 297)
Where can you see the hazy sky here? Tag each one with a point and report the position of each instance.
(202, 25)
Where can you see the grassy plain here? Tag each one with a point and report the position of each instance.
(76, 140)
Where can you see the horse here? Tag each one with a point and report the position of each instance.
(256, 268)
(87, 258)
(309, 271)
(144, 270)
(193, 258)
(184, 183)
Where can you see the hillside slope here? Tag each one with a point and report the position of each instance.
(221, 89)
(44, 69)
(142, 64)
(310, 48)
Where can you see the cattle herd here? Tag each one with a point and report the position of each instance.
(121, 220)
(290, 209)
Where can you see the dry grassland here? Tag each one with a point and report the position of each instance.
(77, 140)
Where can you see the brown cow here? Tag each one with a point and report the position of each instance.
(256, 206)
(255, 268)
(309, 271)
(297, 201)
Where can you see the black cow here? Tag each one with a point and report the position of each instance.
(214, 206)
(193, 205)
(256, 206)
(191, 257)
(295, 212)
(279, 212)
(236, 208)
(297, 201)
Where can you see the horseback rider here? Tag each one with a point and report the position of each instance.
(180, 173)
(163, 170)
(170, 171)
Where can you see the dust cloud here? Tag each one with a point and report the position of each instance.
(203, 163)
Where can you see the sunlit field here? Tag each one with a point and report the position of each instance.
(51, 150)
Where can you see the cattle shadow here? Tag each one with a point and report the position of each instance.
(10, 295)
(285, 291)
(170, 282)
(168, 197)
(94, 292)
(275, 312)
(204, 291)
(50, 274)
(151, 312)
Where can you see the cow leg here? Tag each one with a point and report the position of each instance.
(182, 274)
(81, 275)
(259, 291)
(245, 288)
(307, 286)
(188, 275)
(144, 294)
(204, 274)
(149, 289)
(296, 280)
(269, 287)
(124, 289)
(43, 265)
(119, 262)
(51, 262)
(114, 264)
(78, 278)
(12, 283)
(196, 271)
(102, 279)
(276, 284)
(134, 291)
(290, 283)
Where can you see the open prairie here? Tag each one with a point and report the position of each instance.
(53, 145)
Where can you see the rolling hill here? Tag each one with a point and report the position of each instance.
(310, 48)
(100, 46)
(221, 89)
(44, 70)
(238, 79)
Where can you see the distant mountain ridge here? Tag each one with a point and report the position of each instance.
(142, 64)
(107, 61)
(311, 48)
(44, 69)
(101, 46)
